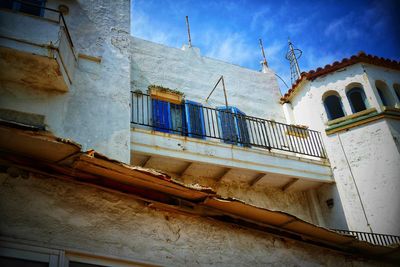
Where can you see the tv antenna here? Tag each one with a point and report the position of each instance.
(188, 31)
(264, 62)
(293, 55)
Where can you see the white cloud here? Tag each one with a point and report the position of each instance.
(343, 29)
(142, 27)
(230, 47)
(259, 16)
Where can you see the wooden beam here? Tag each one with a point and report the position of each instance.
(257, 178)
(224, 173)
(146, 161)
(289, 184)
(186, 168)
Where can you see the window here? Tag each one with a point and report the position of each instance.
(80, 264)
(194, 119)
(13, 262)
(384, 94)
(333, 106)
(33, 7)
(396, 88)
(161, 116)
(233, 125)
(21, 255)
(357, 99)
(186, 119)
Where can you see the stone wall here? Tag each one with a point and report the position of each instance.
(95, 112)
(56, 213)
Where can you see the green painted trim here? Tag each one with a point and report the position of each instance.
(352, 116)
(351, 121)
(354, 122)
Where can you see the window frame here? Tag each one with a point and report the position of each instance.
(240, 133)
(352, 91)
(189, 123)
(327, 109)
(163, 121)
(16, 6)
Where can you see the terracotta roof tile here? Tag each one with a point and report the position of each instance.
(360, 57)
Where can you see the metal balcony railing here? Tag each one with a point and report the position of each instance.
(377, 239)
(226, 124)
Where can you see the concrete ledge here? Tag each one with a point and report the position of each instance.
(388, 113)
(230, 156)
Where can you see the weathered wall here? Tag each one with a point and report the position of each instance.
(373, 159)
(368, 153)
(295, 203)
(95, 112)
(255, 93)
(394, 127)
(65, 214)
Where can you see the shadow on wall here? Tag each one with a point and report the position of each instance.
(331, 207)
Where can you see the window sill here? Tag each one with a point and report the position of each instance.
(352, 116)
(361, 118)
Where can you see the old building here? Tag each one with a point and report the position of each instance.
(355, 103)
(117, 151)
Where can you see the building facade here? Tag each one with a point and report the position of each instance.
(355, 104)
(117, 151)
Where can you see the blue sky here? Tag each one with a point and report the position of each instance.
(229, 30)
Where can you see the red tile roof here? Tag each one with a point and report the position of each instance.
(360, 57)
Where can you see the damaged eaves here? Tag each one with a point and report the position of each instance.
(41, 152)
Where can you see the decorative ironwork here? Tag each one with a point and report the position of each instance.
(227, 124)
(376, 239)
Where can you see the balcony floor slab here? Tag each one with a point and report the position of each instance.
(184, 156)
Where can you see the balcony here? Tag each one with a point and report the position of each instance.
(36, 50)
(374, 238)
(222, 143)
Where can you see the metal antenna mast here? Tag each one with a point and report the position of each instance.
(188, 30)
(263, 53)
(293, 55)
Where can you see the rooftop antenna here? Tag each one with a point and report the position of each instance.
(293, 55)
(221, 79)
(263, 53)
(188, 30)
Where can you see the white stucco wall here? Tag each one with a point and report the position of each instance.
(67, 215)
(255, 93)
(375, 164)
(95, 112)
(372, 156)
(388, 77)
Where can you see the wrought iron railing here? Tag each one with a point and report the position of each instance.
(377, 239)
(38, 10)
(228, 125)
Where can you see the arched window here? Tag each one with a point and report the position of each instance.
(333, 106)
(384, 94)
(357, 99)
(396, 88)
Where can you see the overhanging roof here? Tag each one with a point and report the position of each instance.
(361, 57)
(41, 152)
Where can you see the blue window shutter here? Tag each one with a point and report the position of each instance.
(161, 115)
(241, 126)
(227, 125)
(194, 119)
(37, 7)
